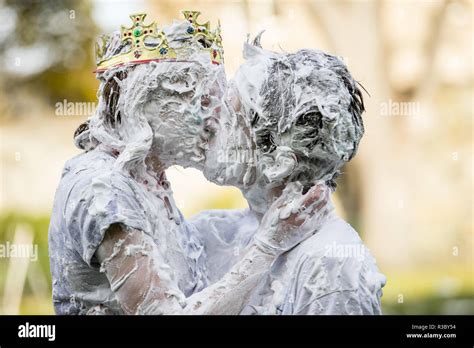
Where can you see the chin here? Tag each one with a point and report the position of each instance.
(199, 165)
(212, 174)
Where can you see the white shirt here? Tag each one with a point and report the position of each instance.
(332, 272)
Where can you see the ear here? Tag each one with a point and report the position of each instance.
(284, 165)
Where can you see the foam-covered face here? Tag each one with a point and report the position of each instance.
(153, 114)
(244, 96)
(181, 96)
(230, 155)
(233, 157)
(304, 114)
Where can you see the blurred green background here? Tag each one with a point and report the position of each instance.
(408, 191)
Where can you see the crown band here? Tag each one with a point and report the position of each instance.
(140, 52)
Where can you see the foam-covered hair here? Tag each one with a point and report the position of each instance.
(123, 126)
(306, 101)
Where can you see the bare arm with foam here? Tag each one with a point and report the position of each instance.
(134, 267)
(143, 287)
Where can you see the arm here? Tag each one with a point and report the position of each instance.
(131, 261)
(225, 235)
(136, 272)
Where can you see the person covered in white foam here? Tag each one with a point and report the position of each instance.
(117, 242)
(296, 120)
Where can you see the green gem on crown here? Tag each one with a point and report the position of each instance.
(137, 32)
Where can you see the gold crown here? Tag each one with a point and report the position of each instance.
(139, 52)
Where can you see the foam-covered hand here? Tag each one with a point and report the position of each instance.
(293, 217)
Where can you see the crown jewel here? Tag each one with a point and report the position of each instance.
(141, 52)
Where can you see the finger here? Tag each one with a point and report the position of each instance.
(316, 196)
(297, 207)
(315, 202)
(327, 197)
(290, 194)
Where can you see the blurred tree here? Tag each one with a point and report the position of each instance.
(407, 54)
(59, 34)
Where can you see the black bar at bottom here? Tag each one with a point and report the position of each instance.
(448, 331)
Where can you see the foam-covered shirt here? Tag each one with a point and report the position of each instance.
(91, 196)
(332, 272)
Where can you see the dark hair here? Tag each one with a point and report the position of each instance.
(310, 98)
(111, 94)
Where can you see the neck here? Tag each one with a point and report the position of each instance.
(161, 186)
(260, 197)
